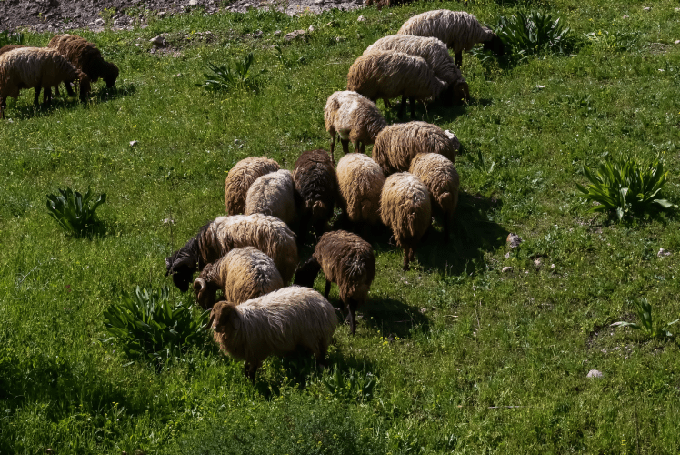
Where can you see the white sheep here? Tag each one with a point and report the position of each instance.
(273, 194)
(360, 181)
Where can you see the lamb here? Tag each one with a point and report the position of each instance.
(348, 261)
(37, 67)
(244, 273)
(396, 145)
(354, 118)
(317, 188)
(86, 57)
(459, 30)
(435, 54)
(406, 209)
(441, 179)
(387, 74)
(360, 181)
(273, 194)
(277, 323)
(239, 179)
(214, 240)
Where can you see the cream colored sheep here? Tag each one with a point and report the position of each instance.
(239, 179)
(273, 194)
(360, 181)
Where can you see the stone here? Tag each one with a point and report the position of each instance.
(258, 33)
(133, 143)
(538, 263)
(513, 240)
(292, 35)
(663, 253)
(311, 29)
(506, 269)
(99, 22)
(595, 374)
(161, 14)
(277, 33)
(193, 2)
(677, 41)
(647, 8)
(318, 2)
(158, 40)
(339, 39)
(361, 18)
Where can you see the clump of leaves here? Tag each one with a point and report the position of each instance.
(150, 326)
(235, 75)
(533, 33)
(650, 327)
(75, 212)
(626, 187)
(11, 38)
(355, 386)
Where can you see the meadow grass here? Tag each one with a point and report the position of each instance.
(468, 358)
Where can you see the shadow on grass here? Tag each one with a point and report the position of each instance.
(104, 93)
(392, 317)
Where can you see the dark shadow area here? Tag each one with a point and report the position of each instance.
(392, 317)
(103, 93)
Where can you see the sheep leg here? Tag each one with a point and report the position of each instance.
(36, 102)
(363, 148)
(402, 108)
(333, 148)
(320, 356)
(412, 100)
(352, 316)
(345, 145)
(406, 258)
(69, 89)
(459, 59)
(447, 228)
(56, 90)
(328, 288)
(3, 104)
(47, 96)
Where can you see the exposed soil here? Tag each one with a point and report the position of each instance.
(61, 15)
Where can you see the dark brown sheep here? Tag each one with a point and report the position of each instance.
(316, 189)
(86, 57)
(347, 260)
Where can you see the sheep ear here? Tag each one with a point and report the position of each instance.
(199, 284)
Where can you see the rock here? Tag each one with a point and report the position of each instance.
(258, 33)
(506, 269)
(99, 22)
(158, 40)
(361, 18)
(507, 255)
(339, 39)
(236, 141)
(663, 253)
(193, 2)
(597, 374)
(277, 33)
(318, 2)
(538, 263)
(513, 240)
(677, 41)
(311, 29)
(292, 35)
(647, 8)
(161, 14)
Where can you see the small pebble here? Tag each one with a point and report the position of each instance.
(647, 8)
(677, 41)
(506, 269)
(595, 374)
(663, 253)
(311, 28)
(133, 143)
(361, 18)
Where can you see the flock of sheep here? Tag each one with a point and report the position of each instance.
(251, 255)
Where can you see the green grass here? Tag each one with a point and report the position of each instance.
(469, 340)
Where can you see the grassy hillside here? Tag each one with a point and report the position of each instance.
(467, 357)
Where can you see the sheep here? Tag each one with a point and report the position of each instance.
(405, 208)
(360, 181)
(387, 74)
(214, 240)
(316, 187)
(9, 47)
(277, 323)
(273, 194)
(239, 179)
(436, 55)
(441, 179)
(37, 67)
(348, 261)
(459, 30)
(396, 145)
(244, 273)
(354, 118)
(86, 57)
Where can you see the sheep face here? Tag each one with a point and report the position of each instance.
(495, 45)
(206, 292)
(222, 316)
(456, 95)
(110, 75)
(182, 270)
(307, 272)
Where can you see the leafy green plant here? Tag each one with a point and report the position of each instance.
(150, 326)
(626, 187)
(11, 38)
(230, 76)
(648, 326)
(534, 33)
(74, 212)
(353, 387)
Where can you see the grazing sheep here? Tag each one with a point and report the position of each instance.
(9, 47)
(360, 181)
(354, 118)
(277, 323)
(273, 194)
(387, 74)
(348, 261)
(441, 179)
(244, 273)
(316, 185)
(37, 67)
(86, 57)
(436, 55)
(459, 30)
(239, 179)
(396, 145)
(214, 240)
(406, 209)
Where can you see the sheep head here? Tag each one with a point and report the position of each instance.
(110, 74)
(495, 45)
(182, 270)
(307, 272)
(206, 292)
(222, 316)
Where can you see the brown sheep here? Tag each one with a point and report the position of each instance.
(441, 179)
(396, 145)
(244, 273)
(405, 208)
(86, 57)
(239, 179)
(360, 181)
(346, 260)
(278, 323)
(317, 189)
(354, 118)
